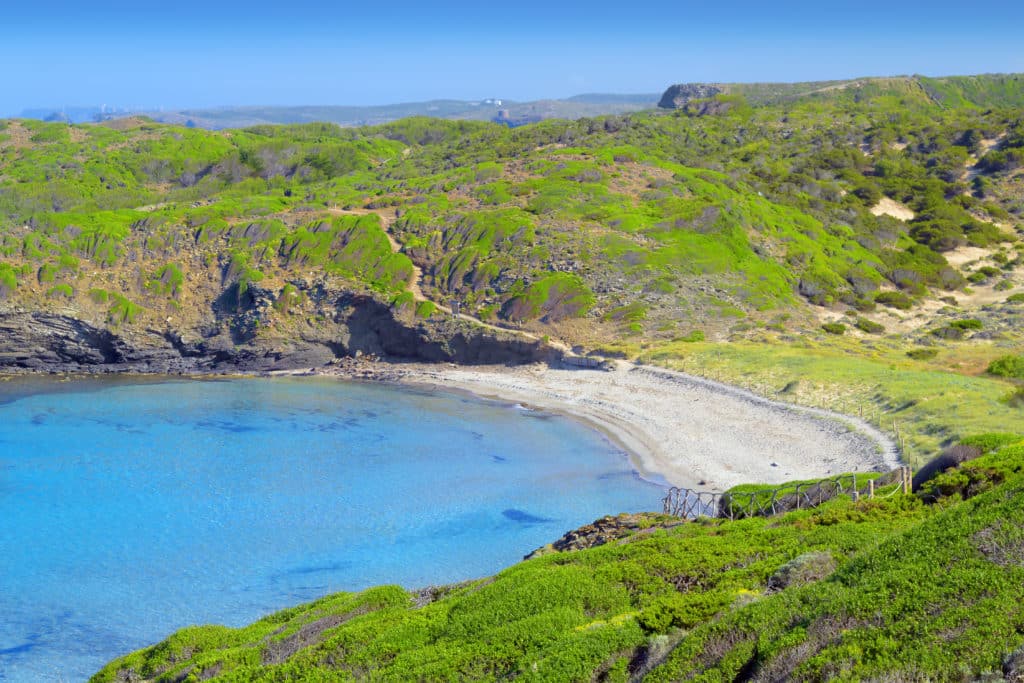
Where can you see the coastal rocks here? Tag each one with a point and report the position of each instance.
(36, 340)
(679, 95)
(346, 325)
(372, 328)
(605, 530)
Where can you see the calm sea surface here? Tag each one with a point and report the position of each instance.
(129, 510)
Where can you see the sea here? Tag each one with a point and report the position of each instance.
(130, 508)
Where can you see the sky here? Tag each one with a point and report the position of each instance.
(202, 53)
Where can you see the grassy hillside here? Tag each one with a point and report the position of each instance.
(903, 588)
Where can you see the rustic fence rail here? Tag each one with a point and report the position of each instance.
(690, 504)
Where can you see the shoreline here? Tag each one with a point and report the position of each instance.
(676, 429)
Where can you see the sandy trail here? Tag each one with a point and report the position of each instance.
(691, 431)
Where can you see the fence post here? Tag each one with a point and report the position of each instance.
(856, 493)
(871, 488)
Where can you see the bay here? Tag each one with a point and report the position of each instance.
(129, 509)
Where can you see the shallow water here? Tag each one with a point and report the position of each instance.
(129, 510)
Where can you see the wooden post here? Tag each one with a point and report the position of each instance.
(871, 488)
(856, 493)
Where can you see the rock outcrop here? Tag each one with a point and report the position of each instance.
(606, 530)
(677, 96)
(347, 325)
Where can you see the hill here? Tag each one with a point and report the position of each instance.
(641, 227)
(995, 90)
(507, 111)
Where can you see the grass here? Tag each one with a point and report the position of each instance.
(932, 402)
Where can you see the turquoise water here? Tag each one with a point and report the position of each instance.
(129, 510)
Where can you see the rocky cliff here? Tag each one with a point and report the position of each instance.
(678, 95)
(345, 324)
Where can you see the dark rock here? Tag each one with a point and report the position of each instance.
(1013, 666)
(605, 530)
(679, 95)
(235, 340)
(949, 458)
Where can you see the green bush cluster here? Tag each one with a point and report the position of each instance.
(1008, 366)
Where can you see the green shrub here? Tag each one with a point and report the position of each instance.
(694, 336)
(988, 443)
(62, 290)
(923, 354)
(1008, 366)
(968, 324)
(289, 297)
(897, 300)
(122, 310)
(8, 279)
(167, 281)
(834, 328)
(1015, 298)
(425, 309)
(869, 326)
(1015, 399)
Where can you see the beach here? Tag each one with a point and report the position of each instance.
(685, 430)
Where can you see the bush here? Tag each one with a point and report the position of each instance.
(923, 354)
(987, 443)
(425, 309)
(1015, 298)
(897, 300)
(695, 336)
(869, 326)
(954, 456)
(1008, 366)
(834, 328)
(968, 324)
(806, 568)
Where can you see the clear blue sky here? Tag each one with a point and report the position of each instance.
(205, 53)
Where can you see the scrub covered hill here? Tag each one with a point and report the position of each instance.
(909, 587)
(648, 225)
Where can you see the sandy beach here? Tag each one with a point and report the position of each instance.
(687, 430)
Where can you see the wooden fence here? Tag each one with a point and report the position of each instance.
(690, 504)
